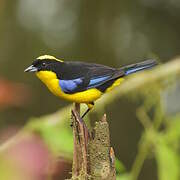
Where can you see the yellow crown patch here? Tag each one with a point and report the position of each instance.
(49, 57)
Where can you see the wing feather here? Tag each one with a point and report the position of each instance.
(77, 76)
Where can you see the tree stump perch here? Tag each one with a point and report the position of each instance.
(93, 157)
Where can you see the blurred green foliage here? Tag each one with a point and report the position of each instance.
(56, 131)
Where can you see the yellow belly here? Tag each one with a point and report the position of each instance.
(87, 96)
(51, 81)
(90, 95)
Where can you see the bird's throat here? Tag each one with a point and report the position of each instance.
(46, 76)
(50, 79)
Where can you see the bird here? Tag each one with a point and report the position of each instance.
(82, 82)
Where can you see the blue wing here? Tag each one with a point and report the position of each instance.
(69, 86)
(80, 84)
(97, 81)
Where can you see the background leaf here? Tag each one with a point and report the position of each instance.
(167, 161)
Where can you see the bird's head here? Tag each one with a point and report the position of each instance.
(43, 63)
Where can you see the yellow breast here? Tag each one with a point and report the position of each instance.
(50, 80)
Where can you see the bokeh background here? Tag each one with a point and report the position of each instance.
(113, 33)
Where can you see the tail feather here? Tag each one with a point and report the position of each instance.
(139, 66)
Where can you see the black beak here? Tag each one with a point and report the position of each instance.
(31, 69)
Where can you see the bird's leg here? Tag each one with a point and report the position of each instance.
(90, 106)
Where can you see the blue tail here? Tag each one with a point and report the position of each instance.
(139, 66)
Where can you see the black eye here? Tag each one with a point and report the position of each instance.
(43, 64)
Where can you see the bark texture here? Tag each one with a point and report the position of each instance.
(93, 157)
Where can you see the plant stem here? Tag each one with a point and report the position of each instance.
(139, 161)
